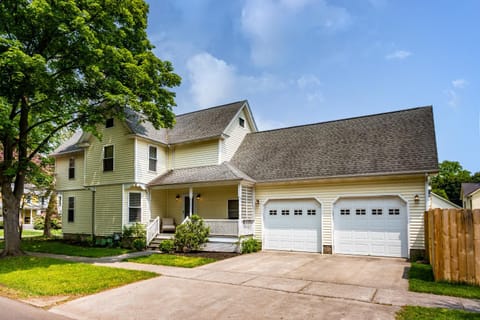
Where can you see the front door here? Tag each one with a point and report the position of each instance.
(186, 206)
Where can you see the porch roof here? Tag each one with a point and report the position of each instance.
(213, 173)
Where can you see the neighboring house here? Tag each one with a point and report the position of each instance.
(438, 202)
(353, 186)
(470, 194)
(33, 203)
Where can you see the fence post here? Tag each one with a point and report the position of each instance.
(462, 255)
(452, 216)
(476, 244)
(470, 249)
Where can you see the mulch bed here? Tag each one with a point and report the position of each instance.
(210, 254)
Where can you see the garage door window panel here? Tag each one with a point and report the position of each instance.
(311, 212)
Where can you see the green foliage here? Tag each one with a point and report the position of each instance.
(66, 65)
(173, 260)
(424, 313)
(39, 223)
(167, 246)
(1, 224)
(449, 180)
(134, 237)
(28, 276)
(191, 235)
(420, 279)
(251, 245)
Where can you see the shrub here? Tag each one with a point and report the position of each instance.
(56, 223)
(1, 224)
(167, 246)
(191, 235)
(134, 237)
(251, 245)
(38, 223)
(139, 244)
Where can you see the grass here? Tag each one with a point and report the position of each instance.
(421, 280)
(173, 260)
(28, 276)
(422, 313)
(34, 233)
(59, 247)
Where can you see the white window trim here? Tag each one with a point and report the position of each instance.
(156, 159)
(113, 157)
(129, 206)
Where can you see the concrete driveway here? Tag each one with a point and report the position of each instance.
(266, 285)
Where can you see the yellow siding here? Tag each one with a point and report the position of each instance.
(123, 157)
(61, 171)
(108, 205)
(236, 134)
(327, 192)
(143, 174)
(196, 154)
(83, 212)
(476, 201)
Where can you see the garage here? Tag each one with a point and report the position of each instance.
(293, 225)
(375, 226)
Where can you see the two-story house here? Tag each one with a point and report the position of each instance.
(357, 186)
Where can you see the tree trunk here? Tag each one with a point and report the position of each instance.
(51, 210)
(11, 225)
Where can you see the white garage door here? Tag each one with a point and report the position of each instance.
(293, 225)
(371, 226)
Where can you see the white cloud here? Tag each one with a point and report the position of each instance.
(308, 80)
(398, 55)
(453, 96)
(459, 83)
(310, 85)
(214, 81)
(272, 26)
(267, 124)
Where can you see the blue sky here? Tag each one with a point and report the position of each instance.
(307, 61)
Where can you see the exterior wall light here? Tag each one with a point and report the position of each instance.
(416, 198)
(177, 197)
(199, 196)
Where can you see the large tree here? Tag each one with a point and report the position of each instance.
(69, 64)
(449, 180)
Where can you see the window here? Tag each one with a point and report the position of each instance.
(360, 212)
(298, 212)
(241, 122)
(71, 209)
(152, 158)
(71, 168)
(285, 212)
(345, 212)
(108, 158)
(377, 212)
(109, 123)
(134, 207)
(273, 212)
(394, 211)
(232, 209)
(311, 212)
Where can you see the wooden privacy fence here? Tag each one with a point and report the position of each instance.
(452, 243)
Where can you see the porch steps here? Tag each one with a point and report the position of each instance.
(154, 245)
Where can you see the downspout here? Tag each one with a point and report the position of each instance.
(93, 211)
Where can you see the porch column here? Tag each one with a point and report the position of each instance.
(239, 193)
(190, 199)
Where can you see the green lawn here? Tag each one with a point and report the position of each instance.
(34, 233)
(422, 313)
(59, 247)
(421, 280)
(28, 276)
(173, 260)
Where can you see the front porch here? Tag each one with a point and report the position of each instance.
(227, 209)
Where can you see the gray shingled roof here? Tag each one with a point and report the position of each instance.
(395, 142)
(469, 188)
(70, 145)
(214, 173)
(197, 125)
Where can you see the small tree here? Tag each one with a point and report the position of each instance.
(191, 235)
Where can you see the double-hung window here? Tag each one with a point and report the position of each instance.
(71, 209)
(108, 158)
(71, 168)
(134, 207)
(232, 209)
(152, 158)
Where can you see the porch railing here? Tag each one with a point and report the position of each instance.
(247, 227)
(153, 228)
(222, 227)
